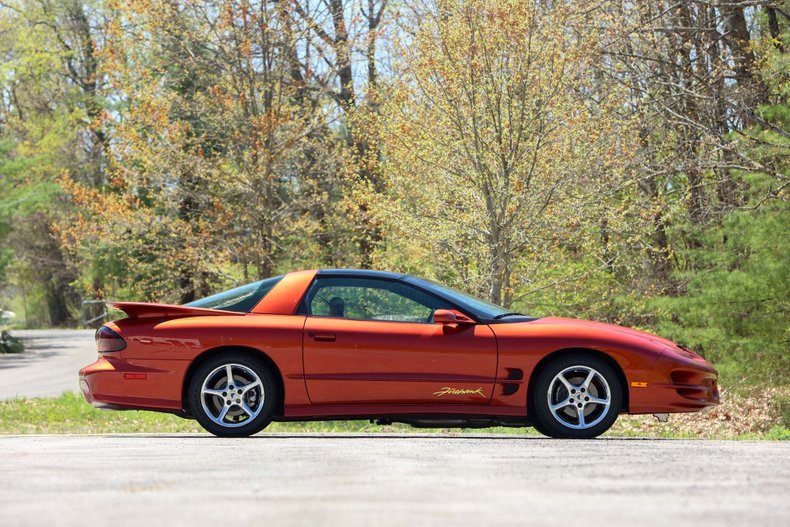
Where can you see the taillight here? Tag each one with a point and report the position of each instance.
(108, 340)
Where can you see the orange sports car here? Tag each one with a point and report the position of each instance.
(352, 344)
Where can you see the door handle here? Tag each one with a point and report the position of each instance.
(324, 337)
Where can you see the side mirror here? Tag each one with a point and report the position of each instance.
(451, 316)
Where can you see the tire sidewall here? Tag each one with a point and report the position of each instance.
(546, 422)
(270, 401)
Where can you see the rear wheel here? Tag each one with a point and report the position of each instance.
(577, 396)
(233, 395)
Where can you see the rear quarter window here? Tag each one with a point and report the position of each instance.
(240, 299)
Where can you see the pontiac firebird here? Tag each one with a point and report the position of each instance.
(352, 344)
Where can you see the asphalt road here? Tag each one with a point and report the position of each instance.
(367, 479)
(390, 480)
(49, 365)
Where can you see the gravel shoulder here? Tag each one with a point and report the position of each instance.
(359, 479)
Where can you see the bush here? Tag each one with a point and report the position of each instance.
(9, 344)
(783, 403)
(737, 302)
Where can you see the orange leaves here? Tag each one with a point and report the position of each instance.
(93, 202)
(220, 166)
(245, 48)
(217, 91)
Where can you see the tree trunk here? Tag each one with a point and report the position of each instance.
(342, 48)
(773, 28)
(750, 88)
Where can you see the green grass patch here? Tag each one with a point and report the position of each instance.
(70, 414)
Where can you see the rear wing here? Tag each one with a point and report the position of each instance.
(146, 310)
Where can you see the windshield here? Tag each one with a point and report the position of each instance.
(477, 306)
(240, 299)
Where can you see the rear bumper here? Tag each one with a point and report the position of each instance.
(113, 383)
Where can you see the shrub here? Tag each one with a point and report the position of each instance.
(9, 344)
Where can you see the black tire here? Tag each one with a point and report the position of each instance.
(244, 366)
(561, 426)
(539, 427)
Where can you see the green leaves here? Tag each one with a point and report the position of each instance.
(565, 158)
(736, 299)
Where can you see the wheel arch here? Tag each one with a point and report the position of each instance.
(252, 352)
(566, 351)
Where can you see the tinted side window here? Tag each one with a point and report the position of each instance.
(370, 299)
(241, 299)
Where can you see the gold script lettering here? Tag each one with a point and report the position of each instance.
(447, 390)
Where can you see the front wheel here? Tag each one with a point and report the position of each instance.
(576, 396)
(233, 395)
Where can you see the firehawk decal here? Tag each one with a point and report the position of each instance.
(447, 390)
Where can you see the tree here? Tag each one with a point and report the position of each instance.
(490, 133)
(334, 31)
(691, 71)
(51, 120)
(216, 163)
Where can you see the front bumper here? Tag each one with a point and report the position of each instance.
(675, 384)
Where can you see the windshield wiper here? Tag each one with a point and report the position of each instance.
(513, 314)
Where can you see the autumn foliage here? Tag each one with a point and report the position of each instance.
(623, 161)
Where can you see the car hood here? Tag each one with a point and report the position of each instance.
(605, 328)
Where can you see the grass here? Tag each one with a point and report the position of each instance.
(70, 414)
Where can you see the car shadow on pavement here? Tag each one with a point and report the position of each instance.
(373, 435)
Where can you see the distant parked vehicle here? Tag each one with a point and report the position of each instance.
(6, 317)
(350, 344)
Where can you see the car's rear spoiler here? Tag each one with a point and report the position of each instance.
(146, 310)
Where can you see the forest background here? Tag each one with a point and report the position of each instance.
(613, 160)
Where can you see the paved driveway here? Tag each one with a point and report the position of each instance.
(49, 365)
(389, 480)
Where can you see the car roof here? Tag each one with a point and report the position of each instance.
(360, 273)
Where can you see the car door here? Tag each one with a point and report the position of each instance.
(373, 341)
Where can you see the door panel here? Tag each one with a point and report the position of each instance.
(381, 362)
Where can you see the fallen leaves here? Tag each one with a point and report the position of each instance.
(738, 416)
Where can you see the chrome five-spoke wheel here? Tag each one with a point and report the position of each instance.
(232, 395)
(579, 397)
